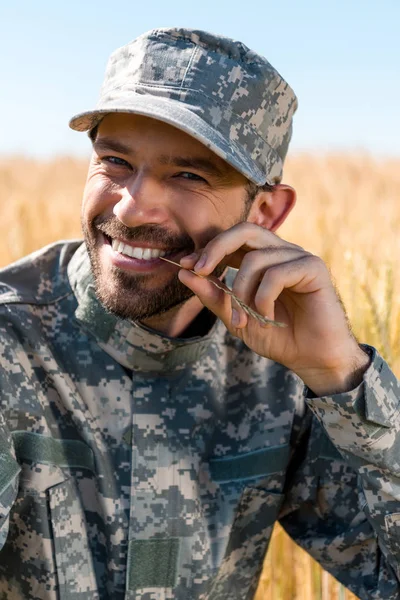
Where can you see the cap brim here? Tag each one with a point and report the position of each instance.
(176, 114)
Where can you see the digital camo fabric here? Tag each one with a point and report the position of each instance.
(136, 466)
(212, 87)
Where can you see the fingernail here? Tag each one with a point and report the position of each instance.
(200, 263)
(235, 317)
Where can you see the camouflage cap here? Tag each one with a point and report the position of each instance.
(213, 88)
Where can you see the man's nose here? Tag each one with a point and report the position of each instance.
(142, 201)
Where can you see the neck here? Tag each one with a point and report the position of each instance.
(174, 322)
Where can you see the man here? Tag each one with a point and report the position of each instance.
(153, 431)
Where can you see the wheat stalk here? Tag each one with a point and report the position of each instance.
(226, 290)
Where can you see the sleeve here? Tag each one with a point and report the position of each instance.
(343, 500)
(9, 479)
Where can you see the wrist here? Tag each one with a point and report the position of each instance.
(338, 380)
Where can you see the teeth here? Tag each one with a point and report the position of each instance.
(137, 252)
(155, 253)
(140, 253)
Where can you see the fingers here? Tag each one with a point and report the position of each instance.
(253, 267)
(243, 235)
(305, 275)
(211, 296)
(264, 272)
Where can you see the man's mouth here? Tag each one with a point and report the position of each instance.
(141, 254)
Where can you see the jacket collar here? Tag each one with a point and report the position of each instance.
(132, 344)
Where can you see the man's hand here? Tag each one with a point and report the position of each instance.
(282, 282)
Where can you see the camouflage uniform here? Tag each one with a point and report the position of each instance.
(137, 466)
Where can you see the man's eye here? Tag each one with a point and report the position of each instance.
(115, 160)
(190, 176)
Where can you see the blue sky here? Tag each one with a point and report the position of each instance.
(341, 58)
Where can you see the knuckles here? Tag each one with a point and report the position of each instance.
(272, 275)
(247, 231)
(316, 263)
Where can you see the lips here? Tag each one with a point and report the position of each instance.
(136, 258)
(136, 251)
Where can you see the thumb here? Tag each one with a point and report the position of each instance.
(209, 295)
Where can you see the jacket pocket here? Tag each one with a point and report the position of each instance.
(239, 572)
(50, 515)
(57, 455)
(263, 470)
(74, 561)
(337, 492)
(9, 479)
(392, 523)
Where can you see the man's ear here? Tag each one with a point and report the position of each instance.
(270, 209)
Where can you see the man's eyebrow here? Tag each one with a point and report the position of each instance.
(106, 144)
(193, 162)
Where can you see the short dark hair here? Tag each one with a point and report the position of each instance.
(93, 133)
(252, 190)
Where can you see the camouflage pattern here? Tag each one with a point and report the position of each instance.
(213, 88)
(136, 466)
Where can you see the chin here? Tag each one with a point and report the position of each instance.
(128, 299)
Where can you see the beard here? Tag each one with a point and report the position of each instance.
(127, 295)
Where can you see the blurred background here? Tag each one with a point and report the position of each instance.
(341, 58)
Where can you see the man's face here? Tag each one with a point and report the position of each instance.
(152, 188)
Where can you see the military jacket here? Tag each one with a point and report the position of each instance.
(138, 466)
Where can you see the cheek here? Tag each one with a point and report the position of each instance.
(202, 220)
(99, 196)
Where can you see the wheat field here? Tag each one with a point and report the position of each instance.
(348, 212)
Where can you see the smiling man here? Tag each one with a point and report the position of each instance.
(170, 175)
(152, 431)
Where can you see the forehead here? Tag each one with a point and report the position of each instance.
(145, 134)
